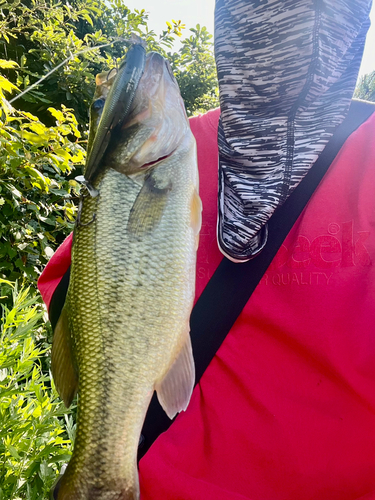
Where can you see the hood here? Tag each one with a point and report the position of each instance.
(287, 70)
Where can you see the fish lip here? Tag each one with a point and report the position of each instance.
(125, 85)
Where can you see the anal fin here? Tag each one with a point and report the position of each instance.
(63, 366)
(175, 389)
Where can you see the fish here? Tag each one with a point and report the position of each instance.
(123, 332)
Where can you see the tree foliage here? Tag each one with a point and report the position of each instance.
(37, 209)
(40, 34)
(36, 430)
(366, 88)
(195, 70)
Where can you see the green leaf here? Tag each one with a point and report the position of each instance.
(30, 116)
(34, 138)
(14, 190)
(88, 19)
(6, 85)
(57, 114)
(6, 64)
(12, 450)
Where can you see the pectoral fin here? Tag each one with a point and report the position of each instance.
(175, 390)
(63, 366)
(149, 206)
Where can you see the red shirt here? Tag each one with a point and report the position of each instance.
(286, 410)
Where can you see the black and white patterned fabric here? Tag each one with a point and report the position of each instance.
(287, 71)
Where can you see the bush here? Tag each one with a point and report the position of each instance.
(366, 88)
(37, 209)
(40, 34)
(36, 429)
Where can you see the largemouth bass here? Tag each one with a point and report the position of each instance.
(124, 328)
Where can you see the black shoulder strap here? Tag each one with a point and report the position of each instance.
(232, 284)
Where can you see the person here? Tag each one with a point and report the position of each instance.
(286, 409)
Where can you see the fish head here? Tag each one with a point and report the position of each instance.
(156, 124)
